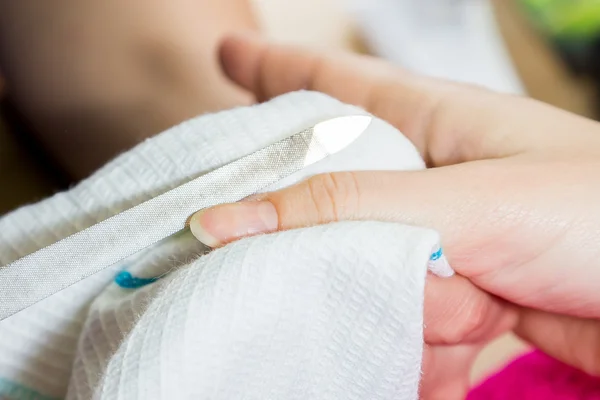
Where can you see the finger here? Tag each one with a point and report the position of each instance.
(458, 312)
(446, 371)
(416, 106)
(449, 123)
(434, 195)
(271, 70)
(459, 319)
(574, 341)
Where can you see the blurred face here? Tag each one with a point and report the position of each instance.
(94, 78)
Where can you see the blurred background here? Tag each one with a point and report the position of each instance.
(67, 97)
(57, 126)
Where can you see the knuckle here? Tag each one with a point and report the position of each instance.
(318, 68)
(334, 196)
(469, 318)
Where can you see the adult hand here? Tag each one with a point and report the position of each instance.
(514, 191)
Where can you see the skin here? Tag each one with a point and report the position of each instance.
(513, 189)
(96, 78)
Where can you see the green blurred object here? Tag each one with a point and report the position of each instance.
(570, 20)
(573, 29)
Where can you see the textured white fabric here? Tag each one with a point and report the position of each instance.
(280, 306)
(330, 312)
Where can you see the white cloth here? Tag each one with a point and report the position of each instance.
(324, 312)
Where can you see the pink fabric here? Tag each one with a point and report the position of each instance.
(536, 376)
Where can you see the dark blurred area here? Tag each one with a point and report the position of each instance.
(27, 172)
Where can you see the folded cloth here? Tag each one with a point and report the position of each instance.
(323, 312)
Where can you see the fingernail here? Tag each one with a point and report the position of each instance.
(222, 224)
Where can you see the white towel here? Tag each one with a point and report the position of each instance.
(324, 312)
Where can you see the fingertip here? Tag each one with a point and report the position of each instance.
(229, 222)
(201, 233)
(239, 56)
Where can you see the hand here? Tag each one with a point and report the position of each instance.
(514, 187)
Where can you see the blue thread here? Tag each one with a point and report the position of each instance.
(437, 255)
(125, 280)
(15, 391)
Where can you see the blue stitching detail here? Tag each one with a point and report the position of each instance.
(15, 391)
(127, 281)
(437, 255)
